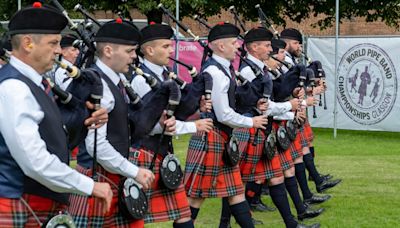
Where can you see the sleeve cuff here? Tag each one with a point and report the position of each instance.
(191, 126)
(131, 169)
(248, 122)
(156, 130)
(85, 185)
(286, 116)
(288, 106)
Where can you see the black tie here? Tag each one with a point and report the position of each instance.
(265, 69)
(165, 75)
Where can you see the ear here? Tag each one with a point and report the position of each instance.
(108, 51)
(27, 43)
(150, 50)
(221, 46)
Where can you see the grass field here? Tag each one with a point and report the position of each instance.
(368, 163)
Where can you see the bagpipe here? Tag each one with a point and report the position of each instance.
(62, 218)
(201, 83)
(248, 93)
(84, 31)
(315, 66)
(132, 201)
(143, 114)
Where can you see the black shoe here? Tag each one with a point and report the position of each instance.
(325, 177)
(315, 225)
(327, 185)
(317, 199)
(261, 207)
(256, 222)
(310, 213)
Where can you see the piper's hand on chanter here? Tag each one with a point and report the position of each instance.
(98, 118)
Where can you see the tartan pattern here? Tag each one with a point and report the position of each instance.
(296, 148)
(274, 166)
(307, 135)
(285, 158)
(252, 165)
(87, 210)
(13, 213)
(206, 175)
(164, 204)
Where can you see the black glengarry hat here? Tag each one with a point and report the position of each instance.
(292, 34)
(37, 19)
(258, 34)
(67, 40)
(155, 31)
(223, 30)
(277, 44)
(118, 32)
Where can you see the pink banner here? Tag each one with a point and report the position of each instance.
(191, 52)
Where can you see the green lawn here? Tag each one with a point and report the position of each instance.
(368, 163)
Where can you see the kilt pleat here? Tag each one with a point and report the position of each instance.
(13, 213)
(296, 148)
(252, 164)
(87, 211)
(206, 175)
(164, 204)
(307, 135)
(285, 157)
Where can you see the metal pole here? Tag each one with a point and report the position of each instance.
(19, 4)
(177, 35)
(177, 41)
(336, 71)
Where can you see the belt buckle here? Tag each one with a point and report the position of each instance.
(136, 153)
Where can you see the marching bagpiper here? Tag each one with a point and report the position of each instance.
(156, 47)
(116, 43)
(294, 40)
(207, 173)
(34, 171)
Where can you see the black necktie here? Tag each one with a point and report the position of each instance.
(265, 69)
(165, 75)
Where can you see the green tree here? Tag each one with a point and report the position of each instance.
(387, 11)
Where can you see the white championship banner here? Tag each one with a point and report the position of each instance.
(367, 92)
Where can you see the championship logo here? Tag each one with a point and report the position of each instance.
(367, 84)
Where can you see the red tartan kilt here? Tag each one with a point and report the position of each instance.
(164, 204)
(307, 134)
(13, 213)
(296, 148)
(206, 175)
(273, 167)
(285, 157)
(87, 211)
(252, 165)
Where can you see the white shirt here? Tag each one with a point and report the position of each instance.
(107, 156)
(20, 116)
(61, 77)
(219, 97)
(281, 109)
(140, 86)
